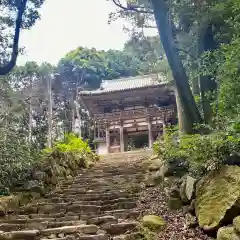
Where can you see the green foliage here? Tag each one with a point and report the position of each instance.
(145, 233)
(72, 152)
(202, 153)
(71, 143)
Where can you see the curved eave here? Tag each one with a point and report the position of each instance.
(99, 92)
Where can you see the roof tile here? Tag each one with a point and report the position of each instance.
(127, 83)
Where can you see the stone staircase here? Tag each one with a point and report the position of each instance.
(98, 204)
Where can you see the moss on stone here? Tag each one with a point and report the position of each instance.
(153, 222)
(217, 193)
(227, 233)
(155, 165)
(236, 223)
(174, 203)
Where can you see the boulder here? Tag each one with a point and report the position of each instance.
(227, 233)
(165, 171)
(216, 195)
(190, 221)
(53, 180)
(236, 223)
(174, 203)
(190, 208)
(153, 222)
(34, 186)
(174, 167)
(38, 175)
(157, 178)
(8, 203)
(187, 189)
(174, 192)
(155, 165)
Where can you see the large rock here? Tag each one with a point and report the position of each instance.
(227, 233)
(190, 221)
(216, 195)
(174, 167)
(236, 223)
(187, 189)
(174, 203)
(155, 165)
(153, 222)
(35, 186)
(38, 175)
(8, 203)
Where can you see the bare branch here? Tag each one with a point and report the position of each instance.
(131, 8)
(9, 66)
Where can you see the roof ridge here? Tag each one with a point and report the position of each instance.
(132, 77)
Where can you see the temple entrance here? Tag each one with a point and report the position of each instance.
(129, 113)
(137, 141)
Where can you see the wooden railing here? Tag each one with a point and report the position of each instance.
(164, 112)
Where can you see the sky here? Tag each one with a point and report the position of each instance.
(68, 24)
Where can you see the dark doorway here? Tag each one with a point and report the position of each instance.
(137, 141)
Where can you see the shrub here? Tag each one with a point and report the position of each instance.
(70, 154)
(202, 152)
(20, 161)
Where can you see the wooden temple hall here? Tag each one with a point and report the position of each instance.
(129, 108)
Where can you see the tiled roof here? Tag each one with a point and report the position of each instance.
(127, 83)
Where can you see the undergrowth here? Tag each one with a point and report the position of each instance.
(62, 160)
(200, 152)
(145, 233)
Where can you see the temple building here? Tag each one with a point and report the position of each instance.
(129, 108)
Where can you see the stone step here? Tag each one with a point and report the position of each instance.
(27, 220)
(87, 178)
(130, 236)
(120, 228)
(85, 229)
(80, 192)
(109, 173)
(36, 225)
(90, 202)
(102, 220)
(90, 196)
(102, 185)
(94, 237)
(82, 237)
(84, 191)
(21, 235)
(86, 188)
(97, 204)
(119, 213)
(52, 211)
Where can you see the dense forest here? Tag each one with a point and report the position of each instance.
(196, 49)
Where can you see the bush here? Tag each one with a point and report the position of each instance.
(69, 154)
(20, 162)
(203, 153)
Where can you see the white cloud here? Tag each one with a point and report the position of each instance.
(67, 24)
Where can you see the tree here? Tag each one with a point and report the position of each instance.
(26, 12)
(150, 53)
(187, 108)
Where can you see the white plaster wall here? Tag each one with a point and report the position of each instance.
(102, 148)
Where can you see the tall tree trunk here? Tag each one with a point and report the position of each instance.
(30, 119)
(189, 113)
(204, 81)
(49, 84)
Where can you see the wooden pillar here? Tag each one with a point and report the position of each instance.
(98, 131)
(121, 137)
(150, 138)
(94, 130)
(107, 138)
